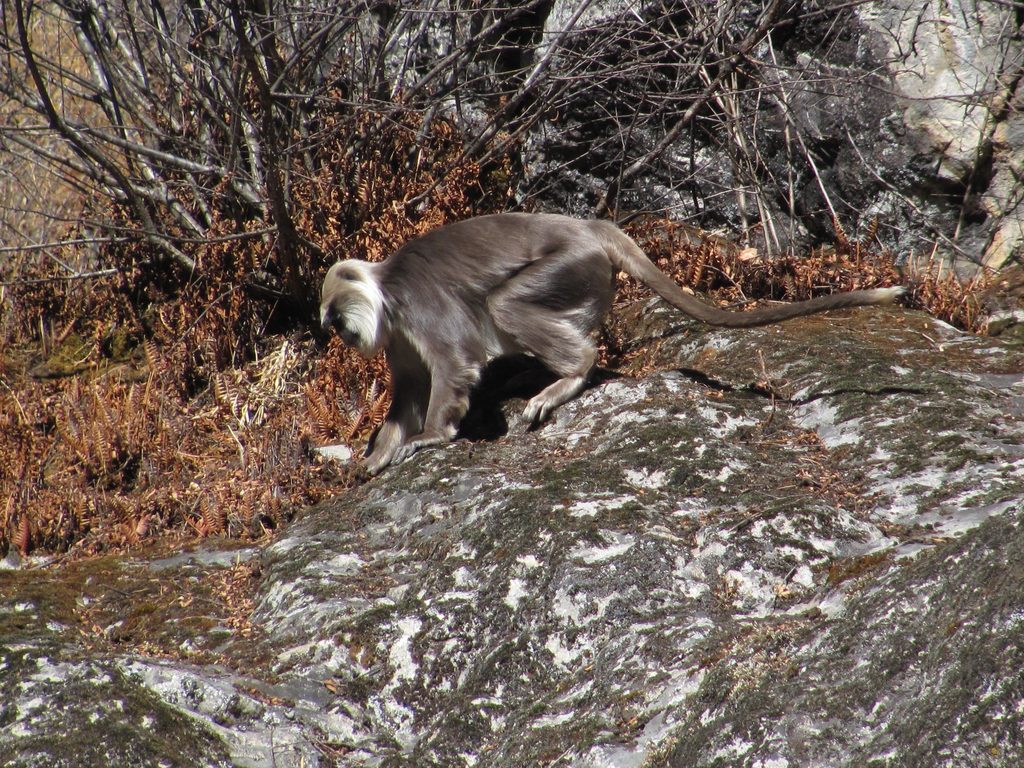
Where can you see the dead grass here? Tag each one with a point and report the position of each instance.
(136, 406)
(139, 404)
(38, 207)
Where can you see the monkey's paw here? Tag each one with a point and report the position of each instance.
(537, 411)
(415, 443)
(377, 461)
(541, 405)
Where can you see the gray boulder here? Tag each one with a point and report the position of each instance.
(790, 546)
(901, 120)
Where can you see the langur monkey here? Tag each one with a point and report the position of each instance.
(449, 301)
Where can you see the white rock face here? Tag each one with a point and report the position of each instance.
(956, 66)
(899, 116)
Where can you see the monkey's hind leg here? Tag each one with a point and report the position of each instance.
(569, 354)
(551, 310)
(562, 391)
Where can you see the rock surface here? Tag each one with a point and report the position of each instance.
(900, 118)
(792, 546)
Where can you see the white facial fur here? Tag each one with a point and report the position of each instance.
(352, 296)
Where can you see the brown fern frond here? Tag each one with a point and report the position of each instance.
(351, 424)
(842, 240)
(135, 402)
(324, 417)
(695, 267)
(248, 509)
(110, 426)
(214, 516)
(379, 408)
(210, 346)
(23, 539)
(224, 393)
(71, 429)
(156, 361)
(872, 231)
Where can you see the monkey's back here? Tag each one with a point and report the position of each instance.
(481, 253)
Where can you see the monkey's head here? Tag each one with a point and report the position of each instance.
(352, 303)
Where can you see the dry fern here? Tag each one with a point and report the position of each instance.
(210, 434)
(23, 539)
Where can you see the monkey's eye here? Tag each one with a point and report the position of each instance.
(350, 337)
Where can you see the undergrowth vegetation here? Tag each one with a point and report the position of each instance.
(132, 407)
(136, 401)
(158, 372)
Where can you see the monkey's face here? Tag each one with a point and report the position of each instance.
(352, 304)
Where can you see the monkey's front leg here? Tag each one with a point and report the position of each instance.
(409, 398)
(390, 447)
(385, 443)
(449, 401)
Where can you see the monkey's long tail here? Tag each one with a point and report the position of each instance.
(627, 256)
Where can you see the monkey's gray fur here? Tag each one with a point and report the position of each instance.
(446, 303)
